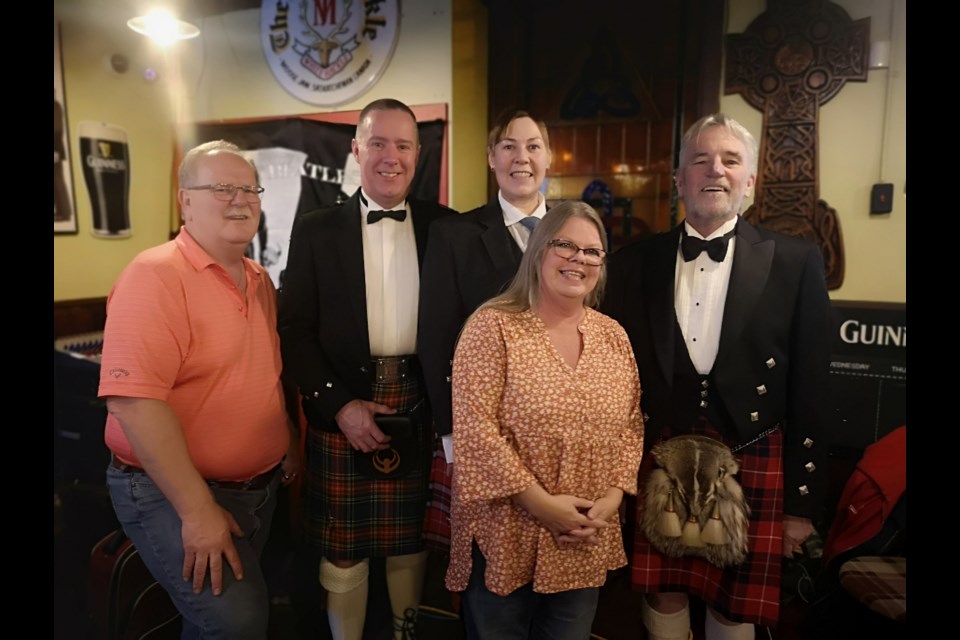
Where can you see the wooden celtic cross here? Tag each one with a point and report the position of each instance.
(792, 59)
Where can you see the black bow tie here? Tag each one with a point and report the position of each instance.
(692, 247)
(376, 216)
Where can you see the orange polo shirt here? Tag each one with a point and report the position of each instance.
(179, 330)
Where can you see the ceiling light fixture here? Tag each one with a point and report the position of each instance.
(163, 27)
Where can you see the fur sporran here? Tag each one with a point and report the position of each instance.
(694, 505)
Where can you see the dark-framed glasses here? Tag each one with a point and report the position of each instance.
(568, 250)
(225, 192)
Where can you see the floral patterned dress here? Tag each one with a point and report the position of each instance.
(521, 415)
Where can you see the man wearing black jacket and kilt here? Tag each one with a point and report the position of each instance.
(730, 327)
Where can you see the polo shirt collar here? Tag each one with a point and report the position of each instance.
(199, 259)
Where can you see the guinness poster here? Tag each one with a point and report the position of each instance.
(106, 172)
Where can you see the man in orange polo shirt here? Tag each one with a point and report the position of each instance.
(191, 374)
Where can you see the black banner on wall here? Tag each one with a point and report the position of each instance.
(304, 165)
(868, 372)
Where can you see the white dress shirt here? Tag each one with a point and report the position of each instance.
(512, 217)
(699, 296)
(391, 273)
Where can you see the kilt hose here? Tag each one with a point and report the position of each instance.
(349, 516)
(436, 527)
(749, 592)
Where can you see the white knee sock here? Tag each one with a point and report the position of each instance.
(346, 598)
(405, 583)
(716, 630)
(666, 626)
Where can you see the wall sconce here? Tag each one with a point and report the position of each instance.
(163, 28)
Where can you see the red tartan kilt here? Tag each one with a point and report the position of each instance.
(436, 526)
(349, 516)
(749, 592)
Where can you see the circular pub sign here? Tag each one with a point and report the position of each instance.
(327, 52)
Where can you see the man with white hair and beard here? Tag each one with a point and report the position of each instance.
(197, 426)
(730, 327)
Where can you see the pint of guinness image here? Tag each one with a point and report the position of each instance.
(106, 171)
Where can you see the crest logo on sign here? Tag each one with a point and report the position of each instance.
(327, 52)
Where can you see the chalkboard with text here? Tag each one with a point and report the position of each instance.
(868, 372)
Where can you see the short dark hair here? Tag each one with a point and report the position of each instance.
(383, 104)
(502, 123)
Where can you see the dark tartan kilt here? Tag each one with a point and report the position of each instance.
(349, 516)
(749, 592)
(436, 527)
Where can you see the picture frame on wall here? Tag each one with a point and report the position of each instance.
(64, 204)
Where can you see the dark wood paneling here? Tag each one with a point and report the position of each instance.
(658, 62)
(71, 317)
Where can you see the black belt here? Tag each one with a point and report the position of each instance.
(253, 484)
(392, 369)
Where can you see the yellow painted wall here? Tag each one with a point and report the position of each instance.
(441, 57)
(84, 266)
(469, 114)
(863, 141)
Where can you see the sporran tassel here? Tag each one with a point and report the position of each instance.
(691, 533)
(713, 532)
(668, 523)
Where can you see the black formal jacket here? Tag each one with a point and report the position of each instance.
(773, 360)
(470, 259)
(323, 306)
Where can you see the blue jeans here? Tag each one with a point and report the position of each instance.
(241, 611)
(524, 614)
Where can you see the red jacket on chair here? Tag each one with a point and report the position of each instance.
(870, 494)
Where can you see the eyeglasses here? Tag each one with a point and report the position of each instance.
(567, 250)
(225, 192)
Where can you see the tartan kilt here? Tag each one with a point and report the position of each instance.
(749, 592)
(436, 527)
(349, 516)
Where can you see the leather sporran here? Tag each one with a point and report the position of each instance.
(693, 504)
(397, 460)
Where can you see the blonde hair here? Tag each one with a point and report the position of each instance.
(524, 290)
